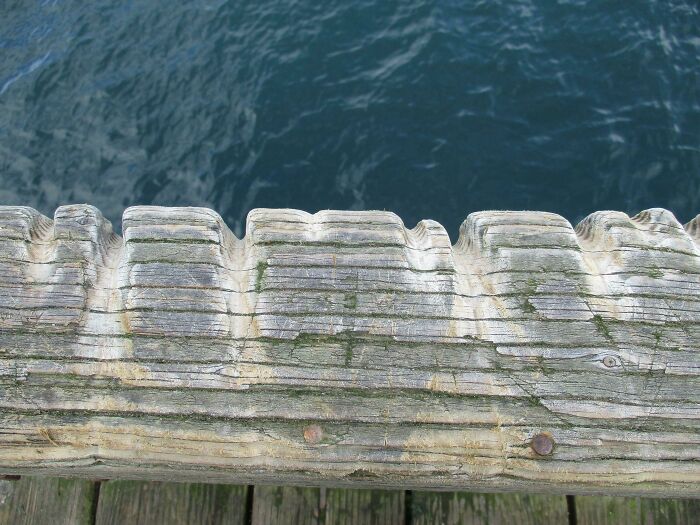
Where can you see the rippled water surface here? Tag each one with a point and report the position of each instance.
(430, 109)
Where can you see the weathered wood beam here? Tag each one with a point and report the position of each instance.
(343, 349)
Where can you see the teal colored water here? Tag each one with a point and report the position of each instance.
(431, 109)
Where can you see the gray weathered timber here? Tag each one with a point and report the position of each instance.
(343, 349)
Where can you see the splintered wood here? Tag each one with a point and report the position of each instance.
(343, 349)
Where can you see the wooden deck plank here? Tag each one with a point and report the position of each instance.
(365, 507)
(468, 508)
(47, 501)
(278, 505)
(153, 503)
(286, 506)
(610, 510)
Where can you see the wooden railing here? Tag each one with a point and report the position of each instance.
(342, 349)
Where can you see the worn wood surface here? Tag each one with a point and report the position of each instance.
(343, 349)
(47, 501)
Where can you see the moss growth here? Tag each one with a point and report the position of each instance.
(260, 272)
(533, 401)
(542, 366)
(172, 240)
(655, 273)
(602, 327)
(350, 301)
(362, 473)
(306, 339)
(332, 244)
(527, 307)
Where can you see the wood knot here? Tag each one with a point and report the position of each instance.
(313, 434)
(610, 361)
(542, 444)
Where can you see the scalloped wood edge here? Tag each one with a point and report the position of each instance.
(343, 349)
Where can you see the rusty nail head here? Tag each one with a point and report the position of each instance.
(313, 434)
(542, 444)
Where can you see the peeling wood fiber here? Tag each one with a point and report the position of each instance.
(343, 349)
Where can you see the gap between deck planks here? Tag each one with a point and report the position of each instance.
(57, 501)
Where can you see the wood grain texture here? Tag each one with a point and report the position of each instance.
(344, 349)
(465, 508)
(47, 501)
(157, 503)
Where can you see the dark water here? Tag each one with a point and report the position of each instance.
(430, 109)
